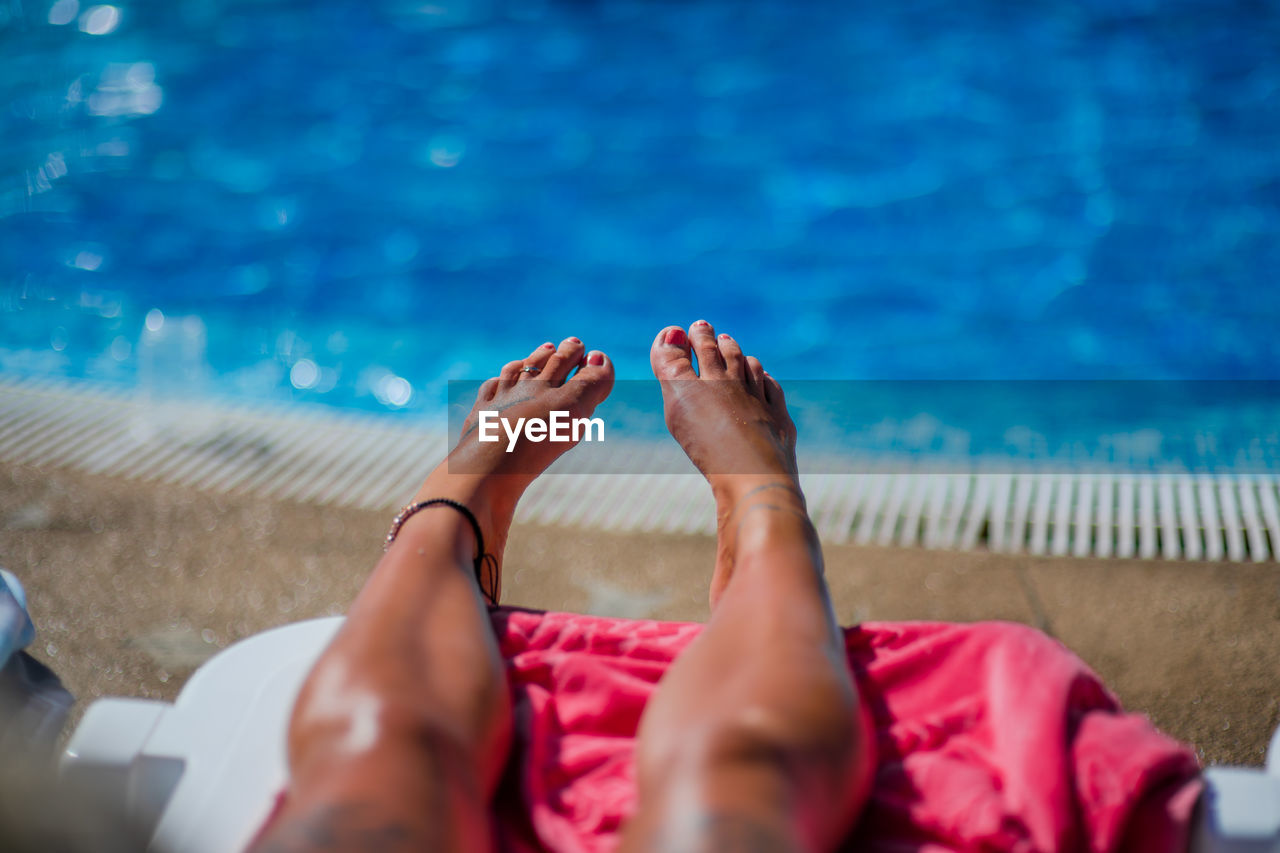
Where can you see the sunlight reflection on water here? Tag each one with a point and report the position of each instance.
(418, 192)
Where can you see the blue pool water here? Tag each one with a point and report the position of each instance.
(352, 203)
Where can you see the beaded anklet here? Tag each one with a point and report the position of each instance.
(482, 559)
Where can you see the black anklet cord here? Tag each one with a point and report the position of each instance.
(488, 561)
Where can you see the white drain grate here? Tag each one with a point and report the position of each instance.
(375, 463)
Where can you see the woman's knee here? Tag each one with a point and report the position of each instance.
(814, 780)
(813, 740)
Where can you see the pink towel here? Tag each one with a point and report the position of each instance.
(991, 737)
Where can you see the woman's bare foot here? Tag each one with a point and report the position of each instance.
(730, 417)
(483, 475)
(754, 737)
(402, 727)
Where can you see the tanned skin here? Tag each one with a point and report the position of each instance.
(402, 728)
(754, 741)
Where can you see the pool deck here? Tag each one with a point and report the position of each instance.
(133, 584)
(331, 456)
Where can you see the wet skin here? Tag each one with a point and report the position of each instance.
(753, 741)
(401, 730)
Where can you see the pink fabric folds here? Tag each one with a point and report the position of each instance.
(991, 736)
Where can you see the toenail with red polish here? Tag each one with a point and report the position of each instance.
(725, 337)
(574, 341)
(675, 337)
(702, 323)
(548, 345)
(595, 359)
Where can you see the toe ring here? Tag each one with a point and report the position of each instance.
(529, 368)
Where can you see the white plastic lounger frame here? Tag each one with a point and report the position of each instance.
(204, 771)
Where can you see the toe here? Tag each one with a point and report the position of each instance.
(514, 371)
(755, 376)
(562, 362)
(593, 381)
(538, 359)
(735, 366)
(773, 392)
(670, 355)
(510, 373)
(778, 405)
(710, 362)
(488, 388)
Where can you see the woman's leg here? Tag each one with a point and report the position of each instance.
(753, 740)
(402, 728)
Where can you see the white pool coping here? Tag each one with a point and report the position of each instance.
(319, 455)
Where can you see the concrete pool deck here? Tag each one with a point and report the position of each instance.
(134, 584)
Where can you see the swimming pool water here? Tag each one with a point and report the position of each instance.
(354, 202)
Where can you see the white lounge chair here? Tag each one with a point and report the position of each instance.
(204, 771)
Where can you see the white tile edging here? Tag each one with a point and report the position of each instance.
(363, 461)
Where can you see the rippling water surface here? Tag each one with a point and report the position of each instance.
(354, 202)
